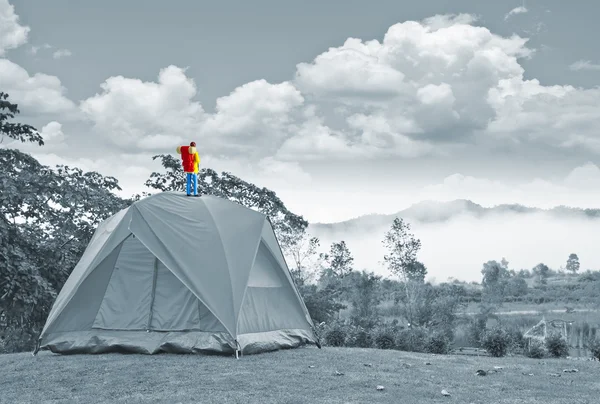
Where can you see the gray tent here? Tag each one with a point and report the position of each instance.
(173, 273)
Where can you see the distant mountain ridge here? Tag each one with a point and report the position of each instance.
(433, 211)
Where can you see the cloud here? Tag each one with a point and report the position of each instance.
(12, 33)
(37, 94)
(34, 49)
(137, 115)
(584, 65)
(55, 141)
(428, 88)
(254, 119)
(61, 53)
(428, 80)
(578, 189)
(52, 133)
(460, 246)
(515, 11)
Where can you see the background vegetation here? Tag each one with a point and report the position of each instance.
(49, 216)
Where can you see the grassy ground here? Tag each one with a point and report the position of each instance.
(286, 377)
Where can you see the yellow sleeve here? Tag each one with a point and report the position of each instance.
(197, 158)
(178, 149)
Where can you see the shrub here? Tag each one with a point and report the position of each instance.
(557, 346)
(412, 340)
(438, 343)
(16, 340)
(384, 339)
(535, 350)
(336, 336)
(517, 342)
(476, 331)
(496, 342)
(595, 348)
(360, 338)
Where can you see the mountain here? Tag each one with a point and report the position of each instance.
(459, 236)
(435, 212)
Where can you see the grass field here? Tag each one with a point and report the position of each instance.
(286, 377)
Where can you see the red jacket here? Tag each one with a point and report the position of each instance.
(190, 158)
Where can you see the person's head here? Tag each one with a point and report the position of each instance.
(193, 144)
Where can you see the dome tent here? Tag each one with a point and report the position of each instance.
(177, 274)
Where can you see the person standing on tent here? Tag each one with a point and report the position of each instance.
(190, 161)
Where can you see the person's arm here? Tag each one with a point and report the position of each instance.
(178, 149)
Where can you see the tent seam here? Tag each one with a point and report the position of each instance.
(237, 320)
(154, 234)
(224, 254)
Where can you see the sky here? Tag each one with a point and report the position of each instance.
(342, 109)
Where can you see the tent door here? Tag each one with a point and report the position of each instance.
(153, 295)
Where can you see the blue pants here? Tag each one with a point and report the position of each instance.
(192, 180)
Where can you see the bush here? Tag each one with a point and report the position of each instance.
(536, 350)
(16, 340)
(360, 338)
(595, 348)
(336, 337)
(412, 340)
(557, 346)
(384, 339)
(496, 342)
(438, 343)
(517, 342)
(476, 331)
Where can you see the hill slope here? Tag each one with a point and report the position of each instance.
(285, 377)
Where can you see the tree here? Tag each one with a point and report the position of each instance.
(301, 252)
(573, 263)
(494, 282)
(365, 297)
(288, 226)
(542, 273)
(516, 286)
(402, 249)
(15, 131)
(44, 226)
(338, 261)
(402, 261)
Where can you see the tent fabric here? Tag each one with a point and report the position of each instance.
(178, 274)
(187, 342)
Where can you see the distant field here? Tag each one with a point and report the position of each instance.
(285, 377)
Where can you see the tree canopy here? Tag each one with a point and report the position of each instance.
(288, 226)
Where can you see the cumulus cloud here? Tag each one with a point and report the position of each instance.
(37, 94)
(584, 65)
(254, 119)
(12, 33)
(515, 11)
(133, 114)
(425, 88)
(428, 80)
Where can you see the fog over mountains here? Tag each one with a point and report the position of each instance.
(459, 236)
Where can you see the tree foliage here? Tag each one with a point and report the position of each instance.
(302, 254)
(288, 226)
(365, 296)
(338, 261)
(573, 263)
(403, 248)
(47, 219)
(542, 272)
(12, 130)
